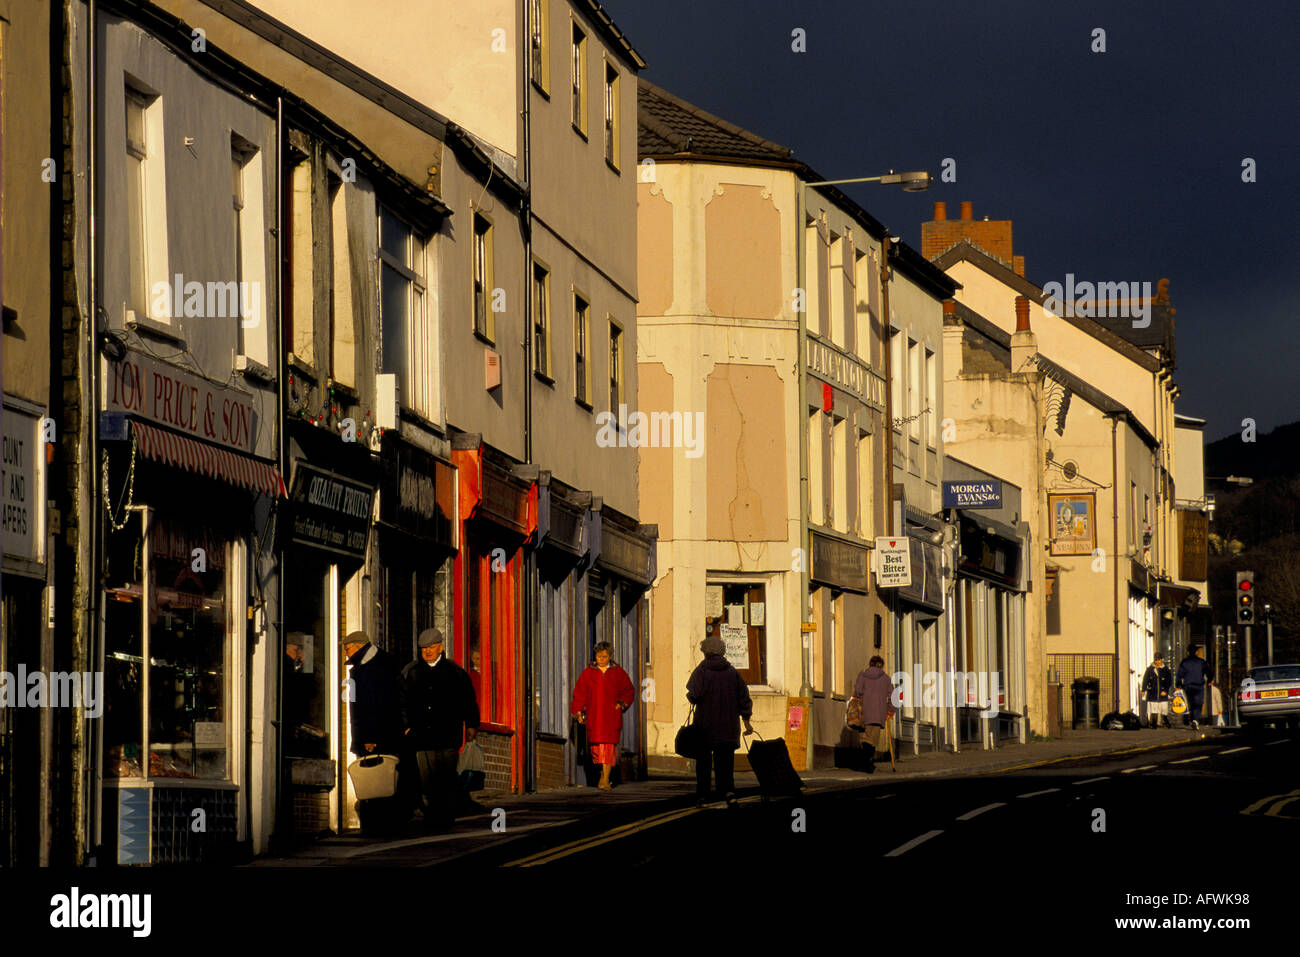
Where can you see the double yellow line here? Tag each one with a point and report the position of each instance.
(586, 843)
(1276, 810)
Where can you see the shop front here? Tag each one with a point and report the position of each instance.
(919, 646)
(188, 592)
(497, 513)
(838, 586)
(1143, 593)
(324, 532)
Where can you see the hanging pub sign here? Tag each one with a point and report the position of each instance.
(973, 494)
(1072, 529)
(330, 512)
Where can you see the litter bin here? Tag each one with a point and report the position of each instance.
(1085, 692)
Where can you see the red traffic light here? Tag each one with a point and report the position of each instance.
(1245, 584)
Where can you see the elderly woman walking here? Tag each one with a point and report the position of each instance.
(876, 690)
(721, 699)
(602, 694)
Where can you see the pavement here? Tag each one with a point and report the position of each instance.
(502, 817)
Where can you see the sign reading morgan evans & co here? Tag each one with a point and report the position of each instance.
(167, 394)
(973, 494)
(330, 512)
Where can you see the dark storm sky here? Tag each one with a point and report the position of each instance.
(1123, 165)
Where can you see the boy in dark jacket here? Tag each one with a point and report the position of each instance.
(1156, 684)
(438, 710)
(721, 699)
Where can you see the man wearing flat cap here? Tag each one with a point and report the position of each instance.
(376, 718)
(439, 710)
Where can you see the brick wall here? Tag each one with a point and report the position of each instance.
(550, 765)
(311, 811)
(496, 757)
(991, 236)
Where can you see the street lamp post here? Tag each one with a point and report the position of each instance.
(911, 182)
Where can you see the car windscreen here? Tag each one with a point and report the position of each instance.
(1277, 673)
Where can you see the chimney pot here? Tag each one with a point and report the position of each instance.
(967, 209)
(949, 307)
(1022, 314)
(940, 212)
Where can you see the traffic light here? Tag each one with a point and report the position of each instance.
(1245, 598)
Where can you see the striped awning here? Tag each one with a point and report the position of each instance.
(195, 456)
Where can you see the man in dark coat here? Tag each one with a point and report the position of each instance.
(721, 699)
(439, 710)
(375, 718)
(875, 689)
(1193, 677)
(1156, 684)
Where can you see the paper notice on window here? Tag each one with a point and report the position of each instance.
(735, 614)
(736, 638)
(209, 734)
(713, 601)
(756, 614)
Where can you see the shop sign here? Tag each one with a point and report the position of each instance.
(419, 495)
(1193, 545)
(168, 395)
(989, 556)
(981, 494)
(893, 562)
(503, 501)
(625, 554)
(1072, 515)
(924, 588)
(330, 512)
(839, 564)
(23, 478)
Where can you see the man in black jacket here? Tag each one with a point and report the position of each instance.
(1155, 689)
(1193, 676)
(375, 718)
(438, 709)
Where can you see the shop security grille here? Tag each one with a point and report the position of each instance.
(1073, 666)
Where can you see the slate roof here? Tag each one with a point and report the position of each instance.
(667, 125)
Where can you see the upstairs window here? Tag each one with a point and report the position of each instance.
(539, 45)
(579, 56)
(541, 321)
(484, 321)
(615, 367)
(611, 116)
(581, 366)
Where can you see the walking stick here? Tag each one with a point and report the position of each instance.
(890, 732)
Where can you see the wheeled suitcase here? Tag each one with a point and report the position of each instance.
(776, 774)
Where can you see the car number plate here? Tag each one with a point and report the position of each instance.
(1273, 694)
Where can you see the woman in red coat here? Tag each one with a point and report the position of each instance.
(603, 693)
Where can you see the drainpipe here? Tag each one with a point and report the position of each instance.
(1114, 532)
(887, 348)
(530, 554)
(281, 819)
(801, 408)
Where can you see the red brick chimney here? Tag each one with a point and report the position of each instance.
(1018, 265)
(949, 307)
(942, 233)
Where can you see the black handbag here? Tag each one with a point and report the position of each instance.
(578, 735)
(689, 742)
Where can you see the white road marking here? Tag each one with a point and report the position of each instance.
(1094, 780)
(980, 810)
(881, 797)
(1203, 757)
(904, 848)
(1036, 793)
(1283, 741)
(1235, 750)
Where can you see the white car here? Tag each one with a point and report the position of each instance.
(1270, 693)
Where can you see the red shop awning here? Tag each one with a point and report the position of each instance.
(233, 467)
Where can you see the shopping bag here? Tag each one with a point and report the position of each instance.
(1178, 703)
(689, 742)
(853, 715)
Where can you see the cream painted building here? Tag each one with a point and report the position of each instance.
(719, 345)
(1106, 455)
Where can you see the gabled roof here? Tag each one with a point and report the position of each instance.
(965, 252)
(1089, 393)
(670, 128)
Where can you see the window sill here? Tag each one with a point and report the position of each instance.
(543, 377)
(543, 91)
(491, 728)
(345, 392)
(584, 403)
(302, 366)
(484, 338)
(579, 130)
(610, 164)
(145, 326)
(410, 415)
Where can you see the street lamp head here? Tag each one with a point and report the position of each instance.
(914, 182)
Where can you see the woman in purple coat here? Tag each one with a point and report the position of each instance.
(875, 689)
